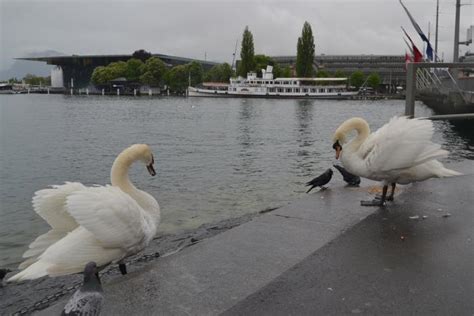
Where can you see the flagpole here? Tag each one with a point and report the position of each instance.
(436, 33)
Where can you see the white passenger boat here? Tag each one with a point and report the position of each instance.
(268, 87)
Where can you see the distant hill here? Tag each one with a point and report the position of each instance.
(20, 68)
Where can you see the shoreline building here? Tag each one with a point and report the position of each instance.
(75, 71)
(391, 68)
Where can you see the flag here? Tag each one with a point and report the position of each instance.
(429, 49)
(417, 55)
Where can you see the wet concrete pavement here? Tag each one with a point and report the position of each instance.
(322, 254)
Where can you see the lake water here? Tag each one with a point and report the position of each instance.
(215, 158)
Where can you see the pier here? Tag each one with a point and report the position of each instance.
(323, 254)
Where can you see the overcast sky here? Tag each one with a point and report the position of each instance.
(211, 27)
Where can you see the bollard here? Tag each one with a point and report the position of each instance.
(149, 92)
(103, 92)
(134, 92)
(118, 91)
(71, 92)
(87, 91)
(48, 90)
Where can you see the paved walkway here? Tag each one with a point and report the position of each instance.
(323, 254)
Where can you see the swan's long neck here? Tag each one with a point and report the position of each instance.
(357, 124)
(119, 172)
(363, 132)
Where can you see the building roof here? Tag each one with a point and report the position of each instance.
(58, 60)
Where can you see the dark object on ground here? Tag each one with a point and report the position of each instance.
(350, 178)
(88, 299)
(122, 268)
(3, 273)
(320, 180)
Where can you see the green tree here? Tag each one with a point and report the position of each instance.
(37, 80)
(117, 69)
(339, 74)
(141, 54)
(177, 78)
(219, 73)
(357, 78)
(246, 54)
(154, 72)
(305, 52)
(286, 72)
(134, 69)
(196, 73)
(373, 80)
(322, 74)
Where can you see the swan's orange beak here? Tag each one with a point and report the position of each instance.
(338, 152)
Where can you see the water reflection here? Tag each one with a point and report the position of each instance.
(247, 136)
(304, 137)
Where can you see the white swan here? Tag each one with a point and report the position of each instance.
(401, 152)
(103, 224)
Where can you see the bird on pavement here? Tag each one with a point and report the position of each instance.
(401, 152)
(351, 179)
(104, 224)
(320, 181)
(87, 300)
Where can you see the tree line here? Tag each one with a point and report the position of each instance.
(143, 68)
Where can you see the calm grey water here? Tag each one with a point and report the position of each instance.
(215, 158)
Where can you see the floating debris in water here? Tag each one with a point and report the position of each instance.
(414, 217)
(402, 238)
(330, 289)
(425, 216)
(446, 215)
(440, 210)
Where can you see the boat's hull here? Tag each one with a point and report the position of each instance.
(195, 92)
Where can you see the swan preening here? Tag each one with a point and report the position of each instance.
(103, 224)
(401, 152)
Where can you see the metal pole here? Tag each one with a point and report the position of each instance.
(410, 93)
(436, 32)
(456, 39)
(456, 32)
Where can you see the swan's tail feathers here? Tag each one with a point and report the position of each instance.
(38, 246)
(431, 152)
(34, 271)
(445, 172)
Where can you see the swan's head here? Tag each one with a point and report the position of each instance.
(143, 153)
(340, 135)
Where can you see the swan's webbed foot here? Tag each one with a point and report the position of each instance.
(374, 202)
(122, 268)
(390, 198)
(378, 200)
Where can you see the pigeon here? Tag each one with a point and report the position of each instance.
(3, 273)
(320, 180)
(88, 299)
(347, 176)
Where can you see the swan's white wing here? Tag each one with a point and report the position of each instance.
(399, 144)
(111, 215)
(50, 204)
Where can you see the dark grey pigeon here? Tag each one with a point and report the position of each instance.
(350, 178)
(3, 273)
(88, 299)
(320, 181)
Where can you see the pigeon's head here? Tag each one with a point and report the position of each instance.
(91, 271)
